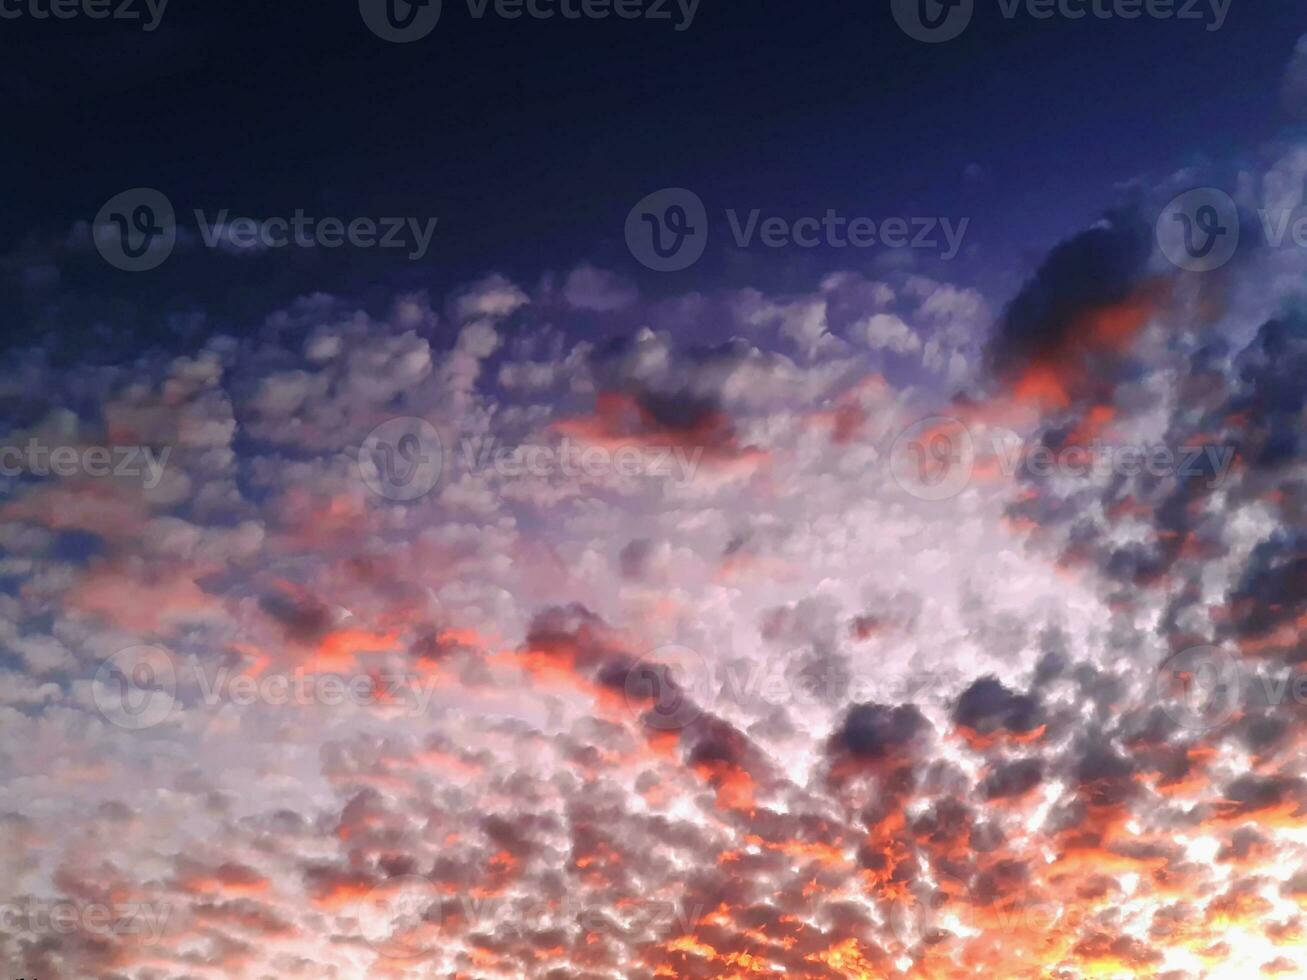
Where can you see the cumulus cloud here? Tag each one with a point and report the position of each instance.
(654, 660)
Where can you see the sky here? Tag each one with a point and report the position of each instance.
(763, 490)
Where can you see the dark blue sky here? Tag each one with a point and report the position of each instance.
(531, 140)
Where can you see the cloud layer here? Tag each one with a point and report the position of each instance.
(678, 662)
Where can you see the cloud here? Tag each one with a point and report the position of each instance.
(782, 716)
